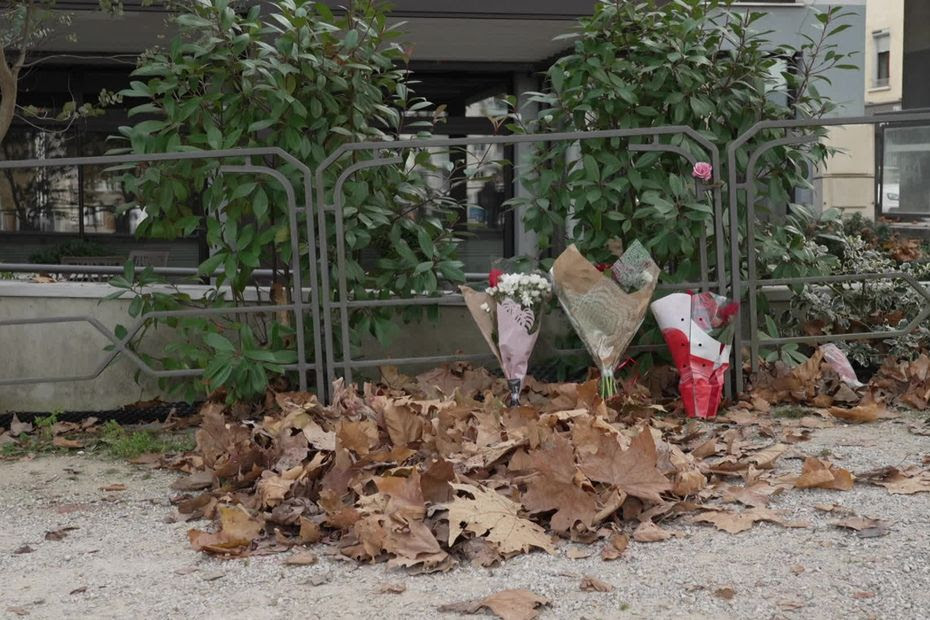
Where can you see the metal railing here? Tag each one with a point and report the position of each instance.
(297, 306)
(751, 285)
(378, 150)
(735, 275)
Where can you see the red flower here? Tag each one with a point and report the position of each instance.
(494, 277)
(602, 267)
(728, 311)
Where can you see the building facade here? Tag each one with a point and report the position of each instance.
(884, 55)
(465, 56)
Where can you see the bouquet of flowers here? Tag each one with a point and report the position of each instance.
(508, 314)
(698, 329)
(605, 304)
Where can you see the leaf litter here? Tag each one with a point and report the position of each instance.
(429, 471)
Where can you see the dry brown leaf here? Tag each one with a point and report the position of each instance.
(868, 412)
(615, 546)
(650, 532)
(19, 428)
(736, 522)
(61, 442)
(898, 483)
(301, 558)
(237, 531)
(579, 553)
(632, 470)
(488, 513)
(726, 593)
(195, 482)
(857, 523)
(309, 531)
(818, 474)
(403, 426)
(765, 459)
(506, 604)
(405, 496)
(554, 488)
(392, 588)
(58, 534)
(593, 584)
(434, 483)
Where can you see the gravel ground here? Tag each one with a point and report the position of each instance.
(124, 560)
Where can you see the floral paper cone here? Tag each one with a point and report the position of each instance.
(604, 316)
(702, 361)
(482, 307)
(515, 342)
(509, 328)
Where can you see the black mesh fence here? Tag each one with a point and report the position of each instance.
(136, 413)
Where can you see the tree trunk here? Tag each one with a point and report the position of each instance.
(9, 74)
(8, 91)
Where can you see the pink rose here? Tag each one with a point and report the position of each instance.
(703, 170)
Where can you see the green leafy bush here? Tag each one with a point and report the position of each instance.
(864, 306)
(640, 65)
(76, 247)
(799, 246)
(297, 77)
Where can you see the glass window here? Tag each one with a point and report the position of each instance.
(105, 204)
(39, 199)
(70, 200)
(905, 180)
(882, 41)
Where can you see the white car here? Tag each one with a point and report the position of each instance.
(890, 196)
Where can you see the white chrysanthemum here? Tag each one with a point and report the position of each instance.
(527, 289)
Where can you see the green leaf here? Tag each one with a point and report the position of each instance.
(219, 342)
(214, 138)
(210, 265)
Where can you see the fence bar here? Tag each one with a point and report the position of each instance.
(247, 167)
(105, 270)
(344, 304)
(748, 185)
(347, 366)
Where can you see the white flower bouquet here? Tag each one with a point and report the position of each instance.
(508, 313)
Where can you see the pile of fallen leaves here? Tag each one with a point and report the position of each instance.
(815, 384)
(428, 471)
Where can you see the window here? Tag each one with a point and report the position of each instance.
(882, 73)
(903, 186)
(68, 200)
(479, 177)
(39, 199)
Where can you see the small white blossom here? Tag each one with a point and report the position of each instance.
(528, 289)
(486, 307)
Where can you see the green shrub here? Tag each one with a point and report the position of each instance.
(296, 77)
(640, 65)
(77, 247)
